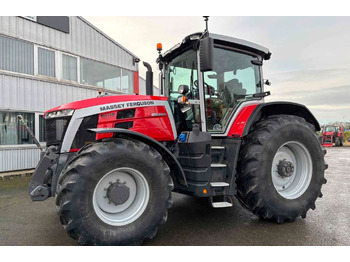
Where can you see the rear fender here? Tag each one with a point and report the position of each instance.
(177, 174)
(280, 108)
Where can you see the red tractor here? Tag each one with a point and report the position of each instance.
(333, 134)
(112, 162)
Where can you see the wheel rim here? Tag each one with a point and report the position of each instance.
(291, 170)
(121, 196)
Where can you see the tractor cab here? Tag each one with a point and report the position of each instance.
(208, 79)
(208, 76)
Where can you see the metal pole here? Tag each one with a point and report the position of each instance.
(20, 118)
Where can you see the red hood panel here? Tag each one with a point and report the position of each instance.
(105, 100)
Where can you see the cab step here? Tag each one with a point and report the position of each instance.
(218, 165)
(221, 202)
(219, 184)
(218, 147)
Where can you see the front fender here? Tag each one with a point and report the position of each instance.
(177, 173)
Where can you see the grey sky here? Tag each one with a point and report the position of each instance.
(310, 61)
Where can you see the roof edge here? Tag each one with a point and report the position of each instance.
(241, 42)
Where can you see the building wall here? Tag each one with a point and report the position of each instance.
(37, 95)
(29, 95)
(19, 158)
(33, 94)
(142, 83)
(83, 40)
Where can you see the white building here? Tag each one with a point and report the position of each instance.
(49, 61)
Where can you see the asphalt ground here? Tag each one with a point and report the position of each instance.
(192, 222)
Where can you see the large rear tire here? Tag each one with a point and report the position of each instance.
(114, 192)
(281, 168)
(337, 141)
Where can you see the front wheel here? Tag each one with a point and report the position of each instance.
(281, 168)
(114, 192)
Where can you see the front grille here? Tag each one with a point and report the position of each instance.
(83, 136)
(55, 129)
(124, 125)
(128, 113)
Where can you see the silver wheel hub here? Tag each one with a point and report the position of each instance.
(121, 196)
(291, 170)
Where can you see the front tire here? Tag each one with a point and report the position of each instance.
(114, 192)
(281, 168)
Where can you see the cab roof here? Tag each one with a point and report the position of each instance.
(229, 41)
(242, 44)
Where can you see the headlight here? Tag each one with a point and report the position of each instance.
(60, 113)
(183, 89)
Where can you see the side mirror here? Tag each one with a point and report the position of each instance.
(267, 82)
(206, 54)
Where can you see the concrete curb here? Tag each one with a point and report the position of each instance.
(16, 174)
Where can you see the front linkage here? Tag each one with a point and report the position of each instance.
(39, 188)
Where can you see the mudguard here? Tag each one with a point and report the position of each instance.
(177, 173)
(280, 108)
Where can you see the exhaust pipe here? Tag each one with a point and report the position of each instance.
(149, 79)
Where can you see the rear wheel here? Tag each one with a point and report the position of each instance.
(281, 169)
(337, 141)
(115, 192)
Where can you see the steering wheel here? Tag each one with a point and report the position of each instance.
(196, 83)
(208, 87)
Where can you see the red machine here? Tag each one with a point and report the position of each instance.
(333, 134)
(112, 162)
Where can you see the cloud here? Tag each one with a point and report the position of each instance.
(333, 96)
(309, 80)
(325, 92)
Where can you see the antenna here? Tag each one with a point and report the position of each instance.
(206, 18)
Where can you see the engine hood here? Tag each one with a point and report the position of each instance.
(104, 100)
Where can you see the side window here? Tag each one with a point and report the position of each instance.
(183, 71)
(234, 80)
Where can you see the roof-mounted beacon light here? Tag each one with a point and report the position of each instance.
(159, 47)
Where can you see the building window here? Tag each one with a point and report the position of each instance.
(98, 74)
(69, 68)
(106, 76)
(127, 81)
(16, 56)
(46, 62)
(12, 132)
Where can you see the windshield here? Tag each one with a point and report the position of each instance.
(233, 80)
(330, 128)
